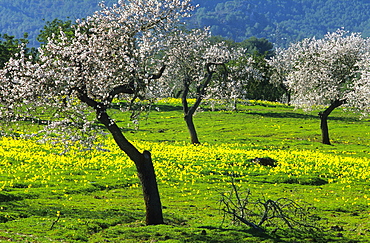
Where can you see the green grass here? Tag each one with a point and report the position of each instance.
(99, 198)
(260, 126)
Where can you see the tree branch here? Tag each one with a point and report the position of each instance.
(159, 74)
(121, 89)
(104, 118)
(202, 88)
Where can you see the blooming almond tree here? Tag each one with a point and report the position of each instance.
(114, 53)
(330, 72)
(193, 61)
(240, 72)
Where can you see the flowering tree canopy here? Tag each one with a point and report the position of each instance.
(198, 68)
(241, 71)
(330, 72)
(193, 63)
(113, 53)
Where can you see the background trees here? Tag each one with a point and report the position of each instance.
(329, 72)
(113, 53)
(257, 81)
(193, 60)
(10, 46)
(253, 56)
(52, 30)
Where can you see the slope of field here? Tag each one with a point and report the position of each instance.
(94, 196)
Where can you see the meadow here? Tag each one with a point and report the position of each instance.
(95, 196)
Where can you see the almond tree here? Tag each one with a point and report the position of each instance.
(199, 69)
(240, 72)
(329, 72)
(114, 53)
(193, 64)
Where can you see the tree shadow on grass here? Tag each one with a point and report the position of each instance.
(93, 211)
(168, 107)
(255, 235)
(283, 115)
(300, 116)
(233, 234)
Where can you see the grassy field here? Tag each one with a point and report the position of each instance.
(94, 196)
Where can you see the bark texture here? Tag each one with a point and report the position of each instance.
(200, 93)
(324, 120)
(145, 170)
(192, 131)
(143, 162)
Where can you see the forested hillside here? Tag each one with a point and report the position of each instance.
(280, 21)
(20, 16)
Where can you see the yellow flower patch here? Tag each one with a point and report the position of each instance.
(29, 163)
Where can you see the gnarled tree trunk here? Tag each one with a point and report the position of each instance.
(145, 169)
(190, 111)
(149, 185)
(324, 120)
(143, 162)
(193, 133)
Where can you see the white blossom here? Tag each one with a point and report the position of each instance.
(321, 71)
(114, 47)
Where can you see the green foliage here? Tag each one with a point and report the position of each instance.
(9, 46)
(262, 89)
(259, 49)
(259, 46)
(253, 45)
(53, 28)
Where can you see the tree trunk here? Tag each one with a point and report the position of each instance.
(193, 133)
(143, 161)
(324, 128)
(189, 112)
(145, 169)
(287, 93)
(324, 120)
(149, 184)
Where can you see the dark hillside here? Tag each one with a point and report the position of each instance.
(20, 16)
(280, 21)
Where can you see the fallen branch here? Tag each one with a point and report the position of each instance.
(257, 213)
